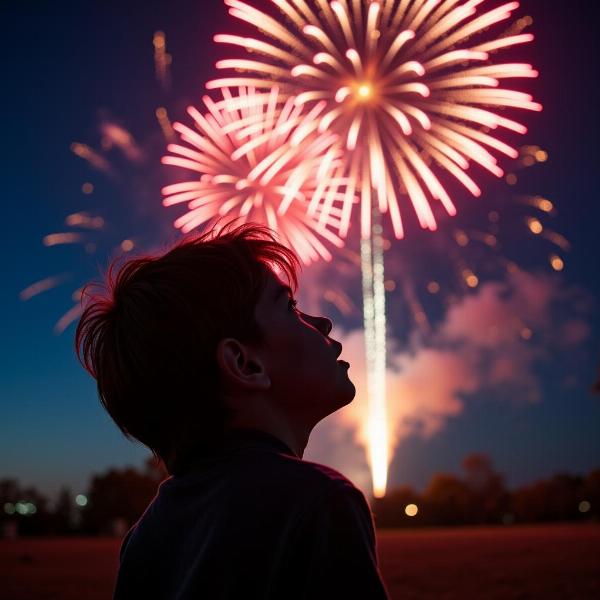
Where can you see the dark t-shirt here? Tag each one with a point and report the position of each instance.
(252, 521)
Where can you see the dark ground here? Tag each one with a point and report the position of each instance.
(526, 562)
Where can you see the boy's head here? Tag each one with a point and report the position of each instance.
(205, 337)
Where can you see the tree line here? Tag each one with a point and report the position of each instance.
(117, 498)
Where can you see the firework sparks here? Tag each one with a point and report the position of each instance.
(463, 259)
(91, 156)
(55, 239)
(162, 60)
(122, 230)
(43, 285)
(116, 136)
(84, 220)
(256, 162)
(404, 85)
(165, 123)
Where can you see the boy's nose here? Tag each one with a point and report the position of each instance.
(327, 325)
(323, 324)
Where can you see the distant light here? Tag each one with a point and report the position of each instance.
(9, 508)
(493, 216)
(584, 506)
(511, 179)
(127, 245)
(528, 161)
(541, 156)
(526, 333)
(21, 508)
(433, 287)
(545, 205)
(390, 285)
(557, 262)
(411, 510)
(470, 278)
(31, 508)
(535, 226)
(87, 188)
(81, 500)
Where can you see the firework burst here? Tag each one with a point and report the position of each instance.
(256, 162)
(405, 84)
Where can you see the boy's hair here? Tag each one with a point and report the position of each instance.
(149, 334)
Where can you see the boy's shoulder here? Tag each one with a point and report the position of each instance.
(304, 475)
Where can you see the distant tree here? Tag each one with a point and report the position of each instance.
(591, 493)
(555, 499)
(9, 491)
(26, 507)
(119, 496)
(448, 501)
(64, 512)
(491, 500)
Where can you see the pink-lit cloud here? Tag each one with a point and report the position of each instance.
(490, 340)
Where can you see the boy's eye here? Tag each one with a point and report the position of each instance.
(292, 304)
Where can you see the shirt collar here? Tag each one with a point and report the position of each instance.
(233, 440)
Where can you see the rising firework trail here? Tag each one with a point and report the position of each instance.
(256, 162)
(412, 91)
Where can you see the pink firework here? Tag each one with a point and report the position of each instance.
(409, 86)
(259, 159)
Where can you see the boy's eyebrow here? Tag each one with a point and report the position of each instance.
(282, 290)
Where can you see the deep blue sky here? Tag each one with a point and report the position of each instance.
(66, 65)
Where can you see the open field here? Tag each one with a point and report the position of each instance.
(526, 562)
(549, 562)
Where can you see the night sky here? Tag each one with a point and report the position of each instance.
(71, 67)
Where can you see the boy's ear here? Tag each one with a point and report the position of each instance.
(241, 368)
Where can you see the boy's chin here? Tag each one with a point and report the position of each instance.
(348, 394)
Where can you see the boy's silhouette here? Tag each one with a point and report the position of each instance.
(202, 355)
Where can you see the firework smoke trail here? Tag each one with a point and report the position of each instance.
(257, 162)
(374, 317)
(406, 78)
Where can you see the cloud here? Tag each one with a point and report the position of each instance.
(492, 340)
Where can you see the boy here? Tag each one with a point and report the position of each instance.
(202, 355)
